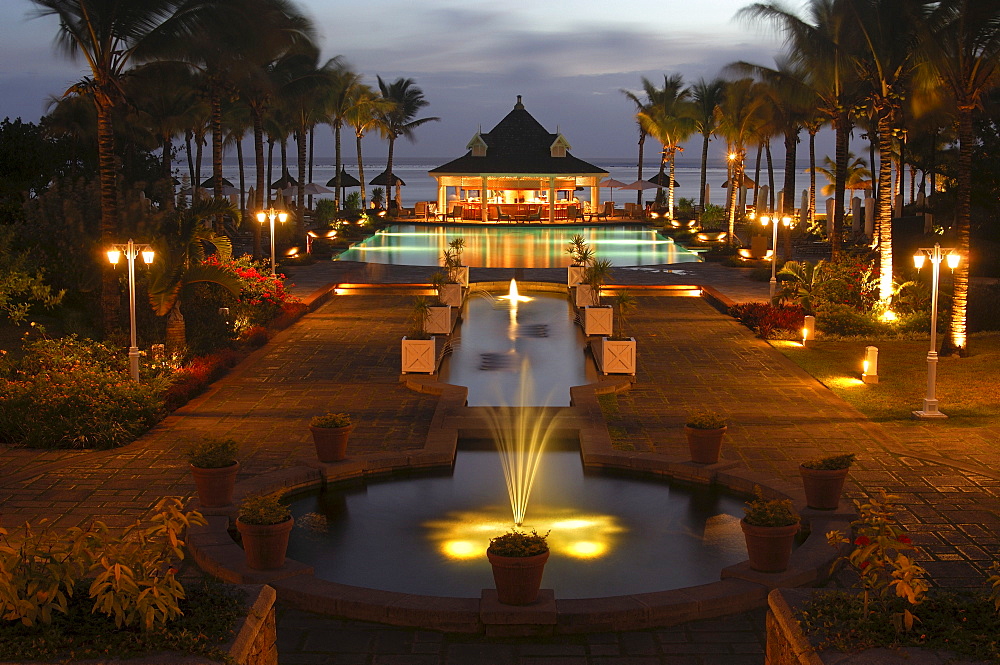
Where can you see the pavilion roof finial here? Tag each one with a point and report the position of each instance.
(519, 106)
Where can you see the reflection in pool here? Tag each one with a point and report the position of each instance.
(516, 247)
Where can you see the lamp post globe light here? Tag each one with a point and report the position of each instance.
(131, 250)
(936, 254)
(773, 220)
(270, 215)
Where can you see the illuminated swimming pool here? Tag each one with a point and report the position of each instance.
(518, 247)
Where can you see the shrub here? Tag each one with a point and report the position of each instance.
(844, 320)
(769, 512)
(212, 453)
(263, 509)
(831, 463)
(325, 212)
(764, 318)
(706, 420)
(519, 544)
(331, 420)
(262, 295)
(194, 377)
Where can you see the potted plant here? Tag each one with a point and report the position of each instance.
(823, 480)
(214, 467)
(451, 291)
(330, 433)
(598, 318)
(419, 353)
(616, 354)
(518, 560)
(459, 272)
(705, 431)
(439, 314)
(264, 524)
(769, 528)
(581, 255)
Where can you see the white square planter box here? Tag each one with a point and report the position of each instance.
(438, 320)
(584, 295)
(460, 275)
(419, 356)
(614, 356)
(451, 294)
(574, 275)
(598, 321)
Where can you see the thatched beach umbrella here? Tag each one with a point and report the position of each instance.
(664, 181)
(286, 180)
(346, 180)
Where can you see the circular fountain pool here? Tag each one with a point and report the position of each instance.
(610, 535)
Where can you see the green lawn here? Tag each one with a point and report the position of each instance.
(968, 389)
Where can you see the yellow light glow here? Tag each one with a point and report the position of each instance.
(864, 366)
(846, 382)
(571, 524)
(282, 217)
(918, 260)
(889, 315)
(147, 256)
(732, 156)
(953, 260)
(462, 549)
(261, 217)
(114, 256)
(585, 549)
(765, 219)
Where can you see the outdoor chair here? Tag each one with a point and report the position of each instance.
(534, 215)
(420, 209)
(607, 212)
(500, 216)
(572, 214)
(455, 214)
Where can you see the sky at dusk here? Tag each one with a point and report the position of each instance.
(472, 58)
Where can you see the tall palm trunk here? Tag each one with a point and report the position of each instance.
(336, 162)
(312, 155)
(812, 176)
(361, 170)
(704, 170)
(199, 140)
(165, 167)
(258, 156)
(188, 136)
(788, 200)
(843, 137)
(638, 170)
(770, 176)
(956, 341)
(217, 150)
(670, 188)
(300, 144)
(243, 176)
(756, 179)
(388, 171)
(883, 209)
(110, 299)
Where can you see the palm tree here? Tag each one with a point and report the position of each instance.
(181, 250)
(858, 174)
(884, 62)
(962, 46)
(668, 117)
(739, 121)
(110, 36)
(640, 105)
(821, 43)
(364, 113)
(401, 120)
(706, 95)
(342, 95)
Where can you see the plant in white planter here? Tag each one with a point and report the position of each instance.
(616, 354)
(439, 314)
(451, 292)
(598, 319)
(581, 255)
(458, 272)
(419, 352)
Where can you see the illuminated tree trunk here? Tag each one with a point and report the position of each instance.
(956, 341)
(704, 170)
(843, 131)
(110, 298)
(883, 208)
(258, 156)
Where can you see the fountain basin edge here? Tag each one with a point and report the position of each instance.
(739, 589)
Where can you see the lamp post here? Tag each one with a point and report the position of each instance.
(131, 251)
(787, 221)
(270, 215)
(936, 254)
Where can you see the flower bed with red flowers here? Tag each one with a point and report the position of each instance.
(764, 318)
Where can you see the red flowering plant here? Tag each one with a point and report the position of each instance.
(880, 560)
(262, 295)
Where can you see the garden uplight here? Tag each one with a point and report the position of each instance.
(869, 372)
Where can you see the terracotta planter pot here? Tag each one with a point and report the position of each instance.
(823, 487)
(265, 544)
(215, 486)
(705, 444)
(331, 442)
(517, 578)
(769, 547)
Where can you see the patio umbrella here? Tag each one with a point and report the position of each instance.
(312, 189)
(611, 183)
(284, 181)
(387, 180)
(639, 185)
(346, 180)
(664, 181)
(747, 182)
(210, 183)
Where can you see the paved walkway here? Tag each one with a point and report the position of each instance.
(344, 356)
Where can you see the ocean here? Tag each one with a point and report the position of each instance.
(421, 187)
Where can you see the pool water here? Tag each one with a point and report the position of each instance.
(610, 535)
(516, 247)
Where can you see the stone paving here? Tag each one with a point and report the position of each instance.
(344, 356)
